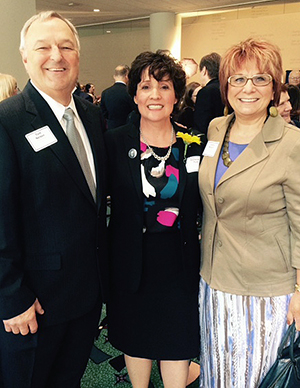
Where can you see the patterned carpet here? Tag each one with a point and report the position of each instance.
(106, 367)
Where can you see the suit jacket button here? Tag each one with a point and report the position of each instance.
(144, 230)
(221, 200)
(220, 243)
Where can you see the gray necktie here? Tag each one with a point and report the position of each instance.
(78, 147)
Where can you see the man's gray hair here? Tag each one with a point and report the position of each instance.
(121, 71)
(43, 16)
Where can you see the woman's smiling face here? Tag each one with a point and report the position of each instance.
(250, 101)
(155, 99)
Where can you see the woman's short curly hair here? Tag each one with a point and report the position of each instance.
(159, 64)
(265, 54)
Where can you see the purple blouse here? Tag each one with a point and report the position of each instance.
(234, 150)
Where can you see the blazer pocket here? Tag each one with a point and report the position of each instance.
(284, 249)
(43, 262)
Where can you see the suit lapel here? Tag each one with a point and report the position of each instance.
(132, 144)
(257, 149)
(182, 167)
(254, 153)
(42, 115)
(212, 162)
(93, 139)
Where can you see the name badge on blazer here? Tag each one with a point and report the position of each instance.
(192, 163)
(211, 148)
(41, 138)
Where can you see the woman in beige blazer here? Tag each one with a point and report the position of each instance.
(250, 187)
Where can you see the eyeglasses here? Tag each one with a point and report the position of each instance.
(257, 80)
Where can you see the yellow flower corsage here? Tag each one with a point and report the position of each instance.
(188, 139)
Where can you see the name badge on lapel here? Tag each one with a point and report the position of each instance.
(41, 138)
(211, 148)
(192, 163)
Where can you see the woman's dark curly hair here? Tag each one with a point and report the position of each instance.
(160, 64)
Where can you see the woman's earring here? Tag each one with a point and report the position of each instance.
(273, 111)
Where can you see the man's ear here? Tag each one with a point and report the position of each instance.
(23, 56)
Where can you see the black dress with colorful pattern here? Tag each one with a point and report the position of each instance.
(160, 320)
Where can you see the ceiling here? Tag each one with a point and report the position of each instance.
(81, 12)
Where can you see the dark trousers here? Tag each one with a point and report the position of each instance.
(54, 357)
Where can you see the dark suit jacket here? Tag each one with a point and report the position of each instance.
(116, 104)
(52, 234)
(208, 105)
(127, 201)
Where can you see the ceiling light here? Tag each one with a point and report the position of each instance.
(96, 10)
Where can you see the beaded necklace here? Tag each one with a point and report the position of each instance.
(225, 154)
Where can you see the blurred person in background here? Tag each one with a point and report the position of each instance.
(208, 101)
(294, 93)
(284, 106)
(116, 103)
(8, 86)
(294, 77)
(90, 90)
(185, 112)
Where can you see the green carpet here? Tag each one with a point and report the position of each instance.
(106, 367)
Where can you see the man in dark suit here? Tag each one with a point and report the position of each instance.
(78, 92)
(116, 103)
(208, 102)
(52, 223)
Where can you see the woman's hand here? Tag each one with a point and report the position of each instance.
(294, 310)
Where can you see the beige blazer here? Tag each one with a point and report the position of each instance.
(251, 228)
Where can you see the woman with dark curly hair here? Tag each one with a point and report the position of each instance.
(154, 245)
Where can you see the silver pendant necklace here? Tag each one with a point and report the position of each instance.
(157, 157)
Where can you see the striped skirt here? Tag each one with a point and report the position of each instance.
(240, 336)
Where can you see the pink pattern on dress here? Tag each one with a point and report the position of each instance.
(166, 218)
(143, 146)
(172, 170)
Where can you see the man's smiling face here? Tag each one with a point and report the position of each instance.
(51, 57)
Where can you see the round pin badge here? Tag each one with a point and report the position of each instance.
(132, 153)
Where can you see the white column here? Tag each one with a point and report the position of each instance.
(165, 32)
(12, 18)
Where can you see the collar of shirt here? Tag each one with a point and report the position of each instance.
(57, 108)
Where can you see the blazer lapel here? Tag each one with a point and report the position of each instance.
(211, 163)
(42, 115)
(182, 169)
(257, 149)
(132, 149)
